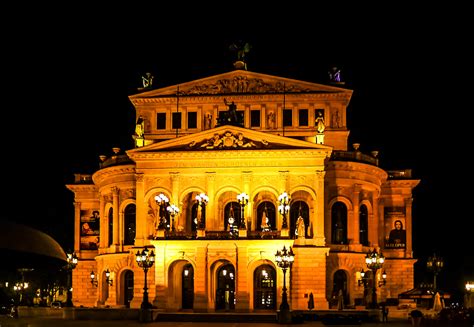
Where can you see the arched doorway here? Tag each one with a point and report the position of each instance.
(128, 288)
(225, 291)
(340, 283)
(187, 287)
(264, 279)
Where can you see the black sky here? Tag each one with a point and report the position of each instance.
(66, 80)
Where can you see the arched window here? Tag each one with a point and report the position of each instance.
(111, 226)
(299, 208)
(339, 223)
(364, 225)
(264, 279)
(232, 210)
(267, 208)
(129, 224)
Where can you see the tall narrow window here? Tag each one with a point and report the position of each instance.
(161, 120)
(339, 223)
(111, 226)
(255, 118)
(287, 117)
(364, 225)
(303, 117)
(129, 224)
(192, 120)
(176, 120)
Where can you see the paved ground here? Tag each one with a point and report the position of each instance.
(59, 322)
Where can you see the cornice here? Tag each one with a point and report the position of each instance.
(217, 99)
(112, 171)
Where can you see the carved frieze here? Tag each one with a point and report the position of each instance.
(243, 84)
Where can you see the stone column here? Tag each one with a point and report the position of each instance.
(283, 186)
(211, 215)
(354, 228)
(242, 284)
(104, 231)
(115, 205)
(379, 219)
(77, 226)
(175, 197)
(318, 219)
(141, 211)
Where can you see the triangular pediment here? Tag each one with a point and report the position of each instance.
(229, 138)
(240, 82)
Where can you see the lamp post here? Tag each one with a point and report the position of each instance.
(145, 259)
(71, 260)
(469, 291)
(434, 264)
(374, 261)
(284, 208)
(202, 200)
(162, 202)
(243, 199)
(173, 210)
(284, 260)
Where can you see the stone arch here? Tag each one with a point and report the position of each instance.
(187, 204)
(223, 197)
(251, 268)
(174, 283)
(212, 279)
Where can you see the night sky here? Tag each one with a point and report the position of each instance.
(66, 80)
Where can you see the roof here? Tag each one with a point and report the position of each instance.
(24, 247)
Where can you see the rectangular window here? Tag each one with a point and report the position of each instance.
(255, 118)
(287, 117)
(161, 120)
(192, 120)
(303, 117)
(176, 121)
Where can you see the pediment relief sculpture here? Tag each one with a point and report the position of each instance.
(227, 140)
(243, 84)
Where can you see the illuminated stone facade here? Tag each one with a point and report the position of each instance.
(206, 261)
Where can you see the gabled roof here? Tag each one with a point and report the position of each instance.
(241, 82)
(229, 138)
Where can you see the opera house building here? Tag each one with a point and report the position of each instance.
(227, 171)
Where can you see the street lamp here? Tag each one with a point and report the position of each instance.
(374, 261)
(434, 264)
(284, 260)
(145, 259)
(173, 210)
(202, 200)
(162, 202)
(243, 199)
(94, 281)
(469, 291)
(284, 208)
(71, 260)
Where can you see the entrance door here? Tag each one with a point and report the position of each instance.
(225, 292)
(264, 279)
(340, 283)
(188, 287)
(128, 288)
